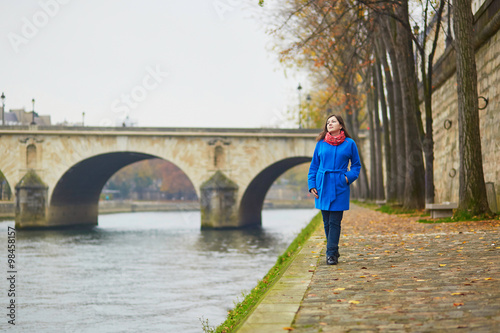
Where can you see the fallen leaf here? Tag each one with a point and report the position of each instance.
(288, 328)
(442, 265)
(454, 294)
(389, 290)
(354, 302)
(488, 278)
(458, 304)
(339, 289)
(362, 276)
(322, 323)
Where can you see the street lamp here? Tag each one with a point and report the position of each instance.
(299, 88)
(33, 113)
(3, 109)
(83, 118)
(308, 99)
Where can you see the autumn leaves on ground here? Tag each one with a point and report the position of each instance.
(401, 275)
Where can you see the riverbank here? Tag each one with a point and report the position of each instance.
(7, 209)
(113, 207)
(110, 207)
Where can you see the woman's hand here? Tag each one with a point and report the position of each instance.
(346, 180)
(314, 192)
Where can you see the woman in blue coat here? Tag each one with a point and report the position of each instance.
(329, 179)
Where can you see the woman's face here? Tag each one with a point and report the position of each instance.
(333, 126)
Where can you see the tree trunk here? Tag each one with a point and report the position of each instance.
(472, 189)
(391, 176)
(371, 131)
(414, 195)
(428, 141)
(399, 172)
(385, 120)
(379, 190)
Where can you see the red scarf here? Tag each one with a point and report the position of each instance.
(335, 140)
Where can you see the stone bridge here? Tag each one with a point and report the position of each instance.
(59, 172)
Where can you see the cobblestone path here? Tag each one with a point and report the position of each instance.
(398, 275)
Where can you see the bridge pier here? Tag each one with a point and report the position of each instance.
(31, 201)
(72, 215)
(218, 202)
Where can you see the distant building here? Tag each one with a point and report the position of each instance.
(69, 124)
(21, 117)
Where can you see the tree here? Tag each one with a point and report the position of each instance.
(398, 175)
(426, 69)
(379, 189)
(390, 142)
(334, 40)
(472, 189)
(414, 195)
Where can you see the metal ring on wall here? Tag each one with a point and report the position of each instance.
(452, 173)
(485, 101)
(447, 124)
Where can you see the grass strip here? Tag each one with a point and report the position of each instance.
(398, 210)
(242, 310)
(463, 217)
(390, 209)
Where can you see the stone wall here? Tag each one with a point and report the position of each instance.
(445, 109)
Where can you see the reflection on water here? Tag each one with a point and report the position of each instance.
(244, 241)
(155, 272)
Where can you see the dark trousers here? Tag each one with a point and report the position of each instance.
(331, 221)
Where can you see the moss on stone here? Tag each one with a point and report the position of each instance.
(31, 179)
(219, 181)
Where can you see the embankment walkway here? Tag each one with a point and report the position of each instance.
(394, 274)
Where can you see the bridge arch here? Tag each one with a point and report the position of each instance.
(5, 188)
(75, 198)
(252, 201)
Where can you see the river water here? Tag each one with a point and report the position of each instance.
(140, 272)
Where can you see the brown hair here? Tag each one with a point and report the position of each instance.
(321, 136)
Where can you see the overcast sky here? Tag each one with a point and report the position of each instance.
(198, 63)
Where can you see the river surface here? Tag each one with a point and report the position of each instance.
(140, 272)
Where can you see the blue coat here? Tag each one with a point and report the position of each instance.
(328, 171)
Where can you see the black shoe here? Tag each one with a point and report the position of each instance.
(333, 260)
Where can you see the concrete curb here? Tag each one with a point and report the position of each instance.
(280, 304)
